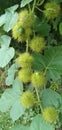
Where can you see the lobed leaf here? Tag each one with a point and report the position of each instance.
(9, 18)
(39, 124)
(11, 100)
(11, 74)
(51, 60)
(50, 98)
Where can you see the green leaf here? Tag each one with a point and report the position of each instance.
(5, 41)
(39, 124)
(50, 98)
(9, 18)
(18, 86)
(19, 127)
(11, 100)
(7, 100)
(16, 111)
(60, 108)
(60, 28)
(2, 19)
(25, 2)
(58, 1)
(56, 23)
(38, 63)
(12, 8)
(10, 21)
(6, 52)
(11, 73)
(51, 60)
(42, 28)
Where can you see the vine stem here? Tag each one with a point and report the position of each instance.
(34, 5)
(45, 70)
(27, 45)
(38, 100)
(39, 9)
(40, 3)
(29, 7)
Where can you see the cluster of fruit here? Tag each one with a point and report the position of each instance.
(23, 31)
(38, 79)
(49, 114)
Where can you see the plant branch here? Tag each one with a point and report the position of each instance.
(34, 5)
(27, 45)
(39, 9)
(40, 2)
(39, 100)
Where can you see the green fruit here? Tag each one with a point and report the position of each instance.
(38, 79)
(37, 44)
(25, 60)
(20, 33)
(27, 99)
(26, 19)
(50, 114)
(25, 75)
(52, 10)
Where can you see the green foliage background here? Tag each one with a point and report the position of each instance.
(50, 61)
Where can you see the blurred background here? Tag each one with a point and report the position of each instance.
(7, 3)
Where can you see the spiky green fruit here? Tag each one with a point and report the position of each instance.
(38, 79)
(52, 10)
(20, 33)
(25, 75)
(27, 99)
(25, 60)
(26, 19)
(37, 44)
(50, 114)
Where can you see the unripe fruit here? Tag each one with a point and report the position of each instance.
(52, 10)
(26, 19)
(25, 60)
(20, 33)
(50, 114)
(27, 99)
(38, 79)
(25, 75)
(37, 44)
